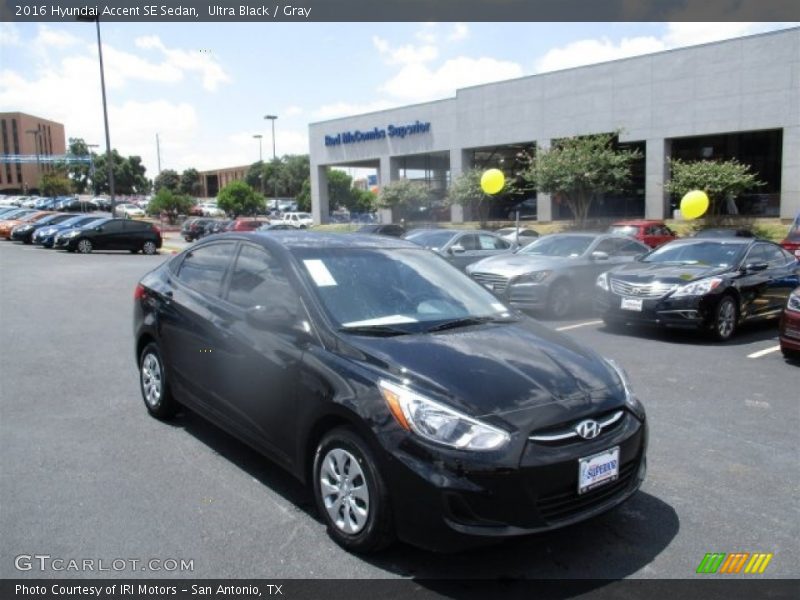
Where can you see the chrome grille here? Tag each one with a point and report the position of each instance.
(641, 290)
(569, 434)
(497, 283)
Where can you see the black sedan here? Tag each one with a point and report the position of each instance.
(111, 234)
(411, 400)
(388, 229)
(709, 284)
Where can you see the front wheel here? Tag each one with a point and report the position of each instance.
(726, 317)
(149, 248)
(84, 246)
(559, 300)
(350, 492)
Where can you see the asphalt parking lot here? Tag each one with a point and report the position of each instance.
(87, 474)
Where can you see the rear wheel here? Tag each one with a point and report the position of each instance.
(350, 493)
(726, 317)
(613, 324)
(560, 301)
(149, 248)
(152, 379)
(133, 251)
(84, 246)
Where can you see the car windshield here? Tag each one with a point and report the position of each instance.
(75, 221)
(406, 290)
(95, 223)
(623, 230)
(559, 245)
(718, 254)
(431, 239)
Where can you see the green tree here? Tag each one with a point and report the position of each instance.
(580, 169)
(404, 196)
(340, 186)
(56, 183)
(169, 203)
(80, 173)
(167, 179)
(303, 198)
(466, 190)
(720, 180)
(190, 184)
(129, 175)
(238, 198)
(296, 171)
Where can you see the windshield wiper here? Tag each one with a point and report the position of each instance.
(376, 330)
(467, 321)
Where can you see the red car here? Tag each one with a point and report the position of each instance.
(245, 225)
(792, 241)
(652, 233)
(790, 326)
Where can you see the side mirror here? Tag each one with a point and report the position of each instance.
(598, 255)
(98, 229)
(457, 249)
(755, 267)
(278, 319)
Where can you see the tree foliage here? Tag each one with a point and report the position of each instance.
(720, 180)
(56, 183)
(404, 196)
(169, 203)
(304, 197)
(190, 184)
(79, 173)
(168, 179)
(283, 177)
(466, 191)
(580, 169)
(238, 198)
(129, 175)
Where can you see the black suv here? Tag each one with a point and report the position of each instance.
(193, 229)
(112, 234)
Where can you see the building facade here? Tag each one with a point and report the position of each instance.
(738, 99)
(214, 180)
(25, 134)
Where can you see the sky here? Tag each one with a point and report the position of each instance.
(205, 88)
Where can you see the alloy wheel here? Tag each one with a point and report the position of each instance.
(149, 248)
(344, 491)
(84, 246)
(726, 318)
(151, 380)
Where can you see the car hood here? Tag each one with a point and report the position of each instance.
(513, 265)
(668, 273)
(522, 374)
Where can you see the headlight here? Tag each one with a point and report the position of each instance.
(22, 228)
(602, 281)
(794, 302)
(438, 423)
(630, 398)
(697, 288)
(71, 234)
(534, 277)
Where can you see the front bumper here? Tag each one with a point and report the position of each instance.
(443, 504)
(689, 312)
(65, 243)
(790, 331)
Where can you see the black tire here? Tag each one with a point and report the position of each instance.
(378, 530)
(560, 301)
(133, 251)
(613, 324)
(160, 405)
(792, 355)
(726, 319)
(84, 246)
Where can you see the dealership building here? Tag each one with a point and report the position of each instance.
(737, 99)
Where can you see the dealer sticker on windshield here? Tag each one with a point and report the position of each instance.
(631, 304)
(598, 469)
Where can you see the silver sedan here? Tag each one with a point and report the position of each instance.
(461, 247)
(556, 272)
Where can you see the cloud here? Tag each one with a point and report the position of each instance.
(596, 50)
(417, 82)
(9, 36)
(53, 38)
(404, 55)
(192, 61)
(460, 32)
(344, 109)
(292, 111)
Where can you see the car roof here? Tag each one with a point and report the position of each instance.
(314, 239)
(717, 240)
(639, 222)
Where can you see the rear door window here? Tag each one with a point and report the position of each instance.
(203, 269)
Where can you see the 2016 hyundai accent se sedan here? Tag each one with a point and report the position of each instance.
(413, 402)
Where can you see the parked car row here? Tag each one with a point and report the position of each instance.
(82, 233)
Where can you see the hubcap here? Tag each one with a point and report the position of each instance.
(84, 246)
(149, 248)
(344, 491)
(726, 318)
(560, 301)
(151, 380)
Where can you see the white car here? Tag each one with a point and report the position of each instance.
(128, 211)
(211, 210)
(510, 235)
(300, 220)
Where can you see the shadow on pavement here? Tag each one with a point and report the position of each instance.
(748, 333)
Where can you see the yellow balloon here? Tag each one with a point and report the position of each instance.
(492, 181)
(694, 204)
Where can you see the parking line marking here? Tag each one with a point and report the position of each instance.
(586, 324)
(764, 352)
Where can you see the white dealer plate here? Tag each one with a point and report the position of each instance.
(598, 469)
(631, 304)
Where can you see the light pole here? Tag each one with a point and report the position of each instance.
(91, 162)
(105, 111)
(274, 157)
(258, 136)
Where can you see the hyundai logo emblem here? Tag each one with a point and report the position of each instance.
(588, 429)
